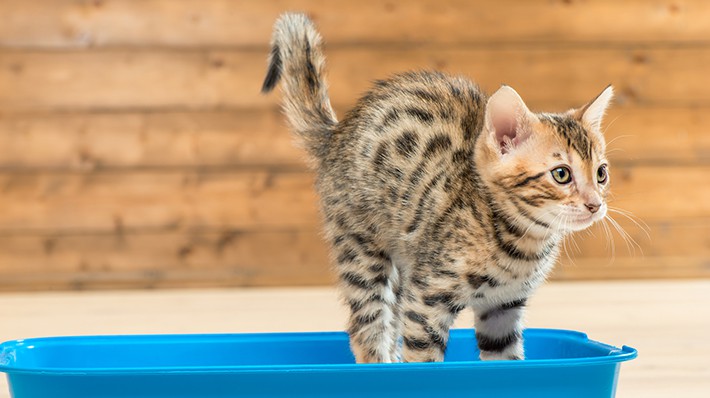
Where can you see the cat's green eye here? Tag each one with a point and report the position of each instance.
(562, 175)
(602, 174)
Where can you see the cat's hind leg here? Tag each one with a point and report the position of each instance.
(368, 282)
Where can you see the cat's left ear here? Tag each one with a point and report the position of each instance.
(591, 115)
(507, 120)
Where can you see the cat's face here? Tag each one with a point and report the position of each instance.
(550, 166)
(572, 191)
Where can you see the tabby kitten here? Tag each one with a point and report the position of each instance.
(436, 198)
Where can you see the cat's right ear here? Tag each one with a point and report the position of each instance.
(507, 120)
(592, 113)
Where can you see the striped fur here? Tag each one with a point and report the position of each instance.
(437, 198)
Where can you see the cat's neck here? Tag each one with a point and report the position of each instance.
(515, 223)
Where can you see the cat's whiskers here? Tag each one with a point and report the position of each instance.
(590, 232)
(631, 217)
(602, 223)
(611, 123)
(574, 243)
(554, 225)
(630, 241)
(617, 137)
(619, 230)
(564, 241)
(610, 240)
(572, 211)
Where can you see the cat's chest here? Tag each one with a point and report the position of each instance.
(506, 292)
(515, 280)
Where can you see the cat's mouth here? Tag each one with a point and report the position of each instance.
(573, 220)
(580, 222)
(584, 220)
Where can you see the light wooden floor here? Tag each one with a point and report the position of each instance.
(667, 322)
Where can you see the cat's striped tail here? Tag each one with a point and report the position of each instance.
(297, 60)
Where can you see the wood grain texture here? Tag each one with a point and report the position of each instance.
(137, 151)
(662, 135)
(81, 23)
(147, 140)
(273, 257)
(90, 141)
(208, 79)
(664, 250)
(146, 259)
(156, 200)
(250, 199)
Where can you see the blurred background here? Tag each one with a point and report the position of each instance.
(137, 152)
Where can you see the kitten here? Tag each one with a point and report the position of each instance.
(436, 198)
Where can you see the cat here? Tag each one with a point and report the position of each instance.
(436, 198)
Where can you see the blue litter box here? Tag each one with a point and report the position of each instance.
(559, 364)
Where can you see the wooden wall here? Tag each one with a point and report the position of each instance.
(136, 150)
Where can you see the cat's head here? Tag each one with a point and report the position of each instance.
(551, 168)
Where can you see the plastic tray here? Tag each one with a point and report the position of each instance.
(559, 364)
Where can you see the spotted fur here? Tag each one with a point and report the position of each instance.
(437, 198)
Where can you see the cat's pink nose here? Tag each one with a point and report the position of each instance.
(593, 207)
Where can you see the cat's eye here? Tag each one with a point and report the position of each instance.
(602, 174)
(562, 175)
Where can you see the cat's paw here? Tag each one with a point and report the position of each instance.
(501, 356)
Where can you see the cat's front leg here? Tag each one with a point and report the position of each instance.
(499, 329)
(428, 315)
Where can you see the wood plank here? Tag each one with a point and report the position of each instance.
(662, 192)
(115, 201)
(667, 237)
(156, 200)
(670, 250)
(200, 79)
(678, 267)
(106, 141)
(164, 259)
(227, 257)
(78, 23)
(658, 135)
(209, 248)
(667, 267)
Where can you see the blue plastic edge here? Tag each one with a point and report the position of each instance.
(7, 348)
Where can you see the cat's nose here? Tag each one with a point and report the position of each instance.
(593, 207)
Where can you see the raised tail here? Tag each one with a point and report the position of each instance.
(297, 59)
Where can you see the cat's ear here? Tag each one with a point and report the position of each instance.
(591, 115)
(507, 119)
